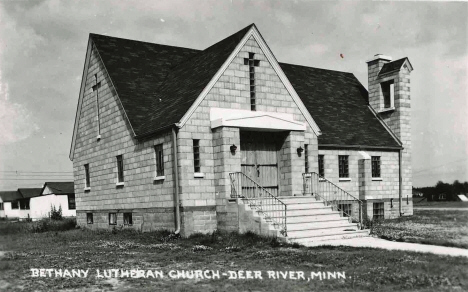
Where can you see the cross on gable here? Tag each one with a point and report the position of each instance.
(97, 86)
(252, 62)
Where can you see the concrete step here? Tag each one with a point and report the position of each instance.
(288, 200)
(299, 206)
(322, 231)
(319, 225)
(331, 236)
(332, 215)
(309, 212)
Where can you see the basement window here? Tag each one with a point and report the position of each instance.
(345, 210)
(128, 220)
(378, 211)
(112, 218)
(89, 218)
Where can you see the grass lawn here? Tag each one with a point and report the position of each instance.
(442, 204)
(365, 269)
(438, 227)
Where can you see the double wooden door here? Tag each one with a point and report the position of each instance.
(259, 160)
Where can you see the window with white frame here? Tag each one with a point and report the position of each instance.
(112, 218)
(196, 156)
(343, 166)
(375, 160)
(158, 150)
(388, 92)
(120, 169)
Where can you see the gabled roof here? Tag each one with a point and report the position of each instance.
(30, 192)
(8, 196)
(157, 84)
(392, 66)
(339, 104)
(60, 188)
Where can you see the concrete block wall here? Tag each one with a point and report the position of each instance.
(387, 187)
(140, 191)
(399, 119)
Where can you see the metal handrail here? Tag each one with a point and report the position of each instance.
(260, 199)
(332, 195)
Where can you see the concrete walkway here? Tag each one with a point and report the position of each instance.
(374, 242)
(441, 209)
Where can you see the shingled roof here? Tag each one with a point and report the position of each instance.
(60, 188)
(392, 66)
(157, 84)
(9, 196)
(30, 192)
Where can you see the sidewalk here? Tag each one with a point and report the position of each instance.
(441, 209)
(393, 245)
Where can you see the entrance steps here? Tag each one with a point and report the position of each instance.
(310, 220)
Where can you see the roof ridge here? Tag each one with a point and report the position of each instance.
(289, 64)
(138, 41)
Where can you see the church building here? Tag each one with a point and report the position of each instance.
(228, 138)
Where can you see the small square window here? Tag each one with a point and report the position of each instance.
(112, 218)
(343, 161)
(375, 166)
(128, 220)
(24, 204)
(120, 169)
(89, 218)
(378, 211)
(15, 205)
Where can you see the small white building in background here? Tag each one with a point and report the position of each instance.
(16, 204)
(57, 194)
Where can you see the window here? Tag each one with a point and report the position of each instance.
(71, 202)
(87, 180)
(89, 218)
(112, 218)
(158, 149)
(14, 205)
(196, 156)
(321, 165)
(1, 206)
(343, 166)
(128, 220)
(378, 211)
(306, 157)
(120, 169)
(388, 92)
(375, 166)
(345, 210)
(24, 204)
(252, 64)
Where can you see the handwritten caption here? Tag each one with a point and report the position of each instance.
(189, 274)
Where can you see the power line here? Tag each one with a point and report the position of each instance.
(19, 171)
(432, 167)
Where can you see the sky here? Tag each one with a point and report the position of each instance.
(43, 47)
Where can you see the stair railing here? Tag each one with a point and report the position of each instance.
(260, 199)
(332, 195)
